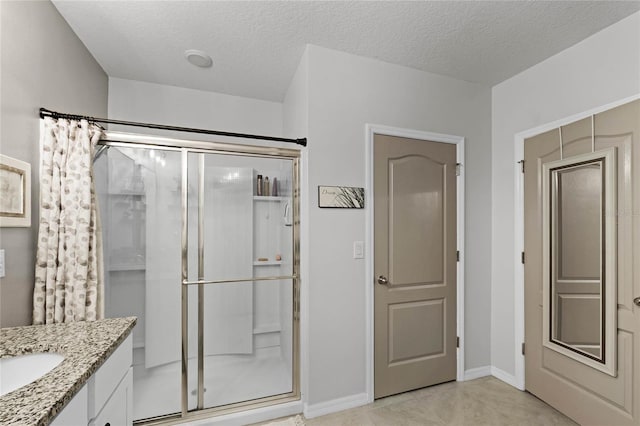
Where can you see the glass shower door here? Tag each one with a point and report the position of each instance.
(138, 191)
(207, 264)
(240, 266)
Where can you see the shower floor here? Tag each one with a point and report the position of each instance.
(227, 379)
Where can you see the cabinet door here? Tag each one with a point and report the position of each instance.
(108, 376)
(119, 408)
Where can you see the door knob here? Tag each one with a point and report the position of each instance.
(636, 300)
(383, 280)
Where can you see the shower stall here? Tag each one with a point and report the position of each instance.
(201, 243)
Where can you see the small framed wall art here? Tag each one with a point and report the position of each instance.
(15, 192)
(340, 197)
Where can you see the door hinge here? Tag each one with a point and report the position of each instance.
(521, 162)
(457, 342)
(458, 167)
(522, 257)
(522, 348)
(458, 256)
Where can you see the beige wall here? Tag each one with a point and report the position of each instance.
(43, 63)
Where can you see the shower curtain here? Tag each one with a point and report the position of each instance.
(69, 268)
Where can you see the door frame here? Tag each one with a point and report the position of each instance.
(370, 131)
(518, 243)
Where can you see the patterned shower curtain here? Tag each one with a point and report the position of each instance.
(69, 268)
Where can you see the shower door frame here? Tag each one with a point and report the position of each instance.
(185, 147)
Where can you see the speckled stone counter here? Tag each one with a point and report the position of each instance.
(85, 346)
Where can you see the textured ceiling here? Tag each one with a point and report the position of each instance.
(256, 45)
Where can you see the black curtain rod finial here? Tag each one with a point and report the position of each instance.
(302, 141)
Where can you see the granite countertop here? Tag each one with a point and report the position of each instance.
(85, 346)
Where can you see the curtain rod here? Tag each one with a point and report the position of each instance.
(53, 114)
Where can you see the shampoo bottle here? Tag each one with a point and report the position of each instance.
(259, 185)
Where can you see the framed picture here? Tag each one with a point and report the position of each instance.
(15, 192)
(341, 197)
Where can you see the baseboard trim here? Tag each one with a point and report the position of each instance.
(357, 400)
(509, 379)
(476, 373)
(335, 405)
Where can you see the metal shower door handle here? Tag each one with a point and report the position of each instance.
(383, 280)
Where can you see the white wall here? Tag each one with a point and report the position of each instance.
(345, 92)
(601, 69)
(296, 101)
(155, 103)
(296, 125)
(44, 64)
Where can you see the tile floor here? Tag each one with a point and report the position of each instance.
(485, 401)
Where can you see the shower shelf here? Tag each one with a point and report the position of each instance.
(267, 328)
(268, 198)
(268, 263)
(127, 194)
(126, 267)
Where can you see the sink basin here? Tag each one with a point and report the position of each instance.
(21, 370)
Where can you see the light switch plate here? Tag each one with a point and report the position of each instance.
(358, 250)
(1, 263)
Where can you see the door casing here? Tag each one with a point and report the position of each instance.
(370, 131)
(519, 225)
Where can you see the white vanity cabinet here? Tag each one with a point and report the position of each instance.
(111, 389)
(118, 410)
(75, 412)
(107, 397)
